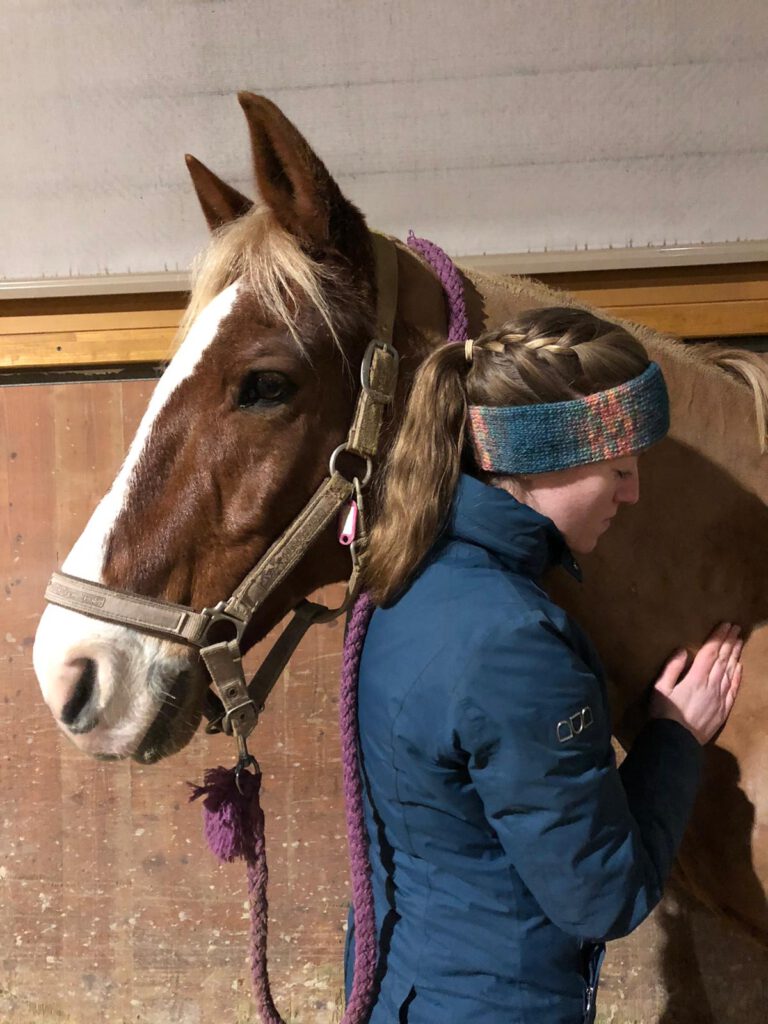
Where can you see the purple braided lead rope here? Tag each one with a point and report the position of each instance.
(357, 837)
(357, 627)
(453, 286)
(258, 877)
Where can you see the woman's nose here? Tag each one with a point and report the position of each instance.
(629, 491)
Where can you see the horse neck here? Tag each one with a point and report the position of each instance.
(712, 413)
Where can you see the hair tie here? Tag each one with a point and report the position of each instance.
(469, 345)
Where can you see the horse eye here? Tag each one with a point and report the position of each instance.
(264, 388)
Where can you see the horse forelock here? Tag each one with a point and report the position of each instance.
(270, 261)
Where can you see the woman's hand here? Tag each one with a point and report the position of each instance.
(702, 699)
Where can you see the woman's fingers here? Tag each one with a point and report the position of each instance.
(725, 658)
(672, 672)
(710, 661)
(704, 696)
(733, 663)
(730, 643)
(730, 696)
(709, 650)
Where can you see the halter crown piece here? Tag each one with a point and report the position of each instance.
(620, 421)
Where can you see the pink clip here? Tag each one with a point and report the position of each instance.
(348, 524)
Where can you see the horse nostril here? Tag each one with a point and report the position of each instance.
(76, 713)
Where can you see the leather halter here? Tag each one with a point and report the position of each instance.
(218, 631)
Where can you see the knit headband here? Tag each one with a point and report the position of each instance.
(620, 421)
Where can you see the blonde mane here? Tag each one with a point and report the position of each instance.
(753, 371)
(746, 368)
(257, 249)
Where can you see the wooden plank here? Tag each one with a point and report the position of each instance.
(53, 323)
(693, 320)
(86, 348)
(719, 301)
(33, 917)
(111, 899)
(107, 882)
(155, 345)
(65, 304)
(656, 289)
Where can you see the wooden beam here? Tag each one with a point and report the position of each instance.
(90, 348)
(692, 320)
(80, 322)
(528, 263)
(691, 302)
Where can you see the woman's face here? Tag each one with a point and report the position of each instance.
(583, 500)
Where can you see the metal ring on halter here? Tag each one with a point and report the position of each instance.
(368, 463)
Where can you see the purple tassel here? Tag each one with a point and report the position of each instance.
(234, 828)
(233, 821)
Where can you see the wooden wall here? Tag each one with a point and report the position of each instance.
(113, 909)
(719, 301)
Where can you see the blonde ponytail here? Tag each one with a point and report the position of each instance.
(421, 472)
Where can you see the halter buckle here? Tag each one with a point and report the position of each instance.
(381, 397)
(213, 632)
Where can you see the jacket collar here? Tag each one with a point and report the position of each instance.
(519, 536)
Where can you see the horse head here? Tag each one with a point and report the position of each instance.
(235, 440)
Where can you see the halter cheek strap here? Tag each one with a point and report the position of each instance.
(540, 438)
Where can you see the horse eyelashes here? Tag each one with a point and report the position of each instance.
(264, 388)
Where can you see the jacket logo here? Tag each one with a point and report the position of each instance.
(576, 724)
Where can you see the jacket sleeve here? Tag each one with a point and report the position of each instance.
(592, 843)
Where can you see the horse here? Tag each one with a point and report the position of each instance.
(237, 437)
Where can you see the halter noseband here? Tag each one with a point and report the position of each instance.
(218, 631)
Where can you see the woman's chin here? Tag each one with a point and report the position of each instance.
(585, 545)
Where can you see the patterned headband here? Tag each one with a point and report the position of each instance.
(624, 420)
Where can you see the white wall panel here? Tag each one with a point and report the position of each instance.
(495, 126)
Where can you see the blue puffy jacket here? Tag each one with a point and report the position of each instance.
(505, 845)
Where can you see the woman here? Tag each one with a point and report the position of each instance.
(506, 847)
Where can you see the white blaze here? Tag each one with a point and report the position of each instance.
(86, 559)
(131, 665)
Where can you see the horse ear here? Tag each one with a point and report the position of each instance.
(294, 182)
(220, 202)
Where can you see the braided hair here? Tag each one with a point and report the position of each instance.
(551, 355)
